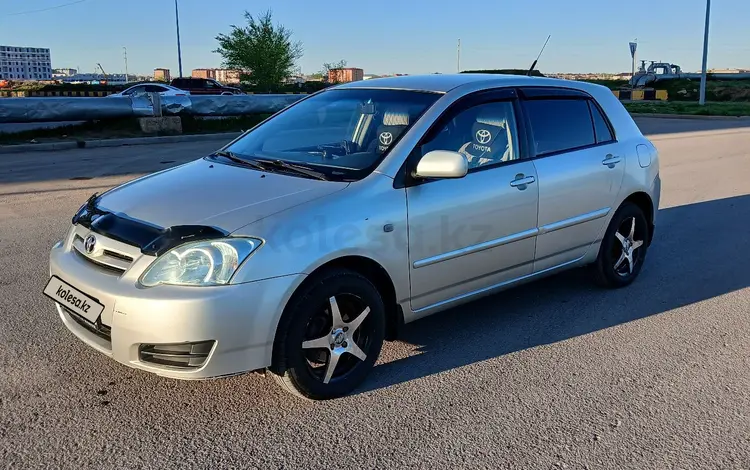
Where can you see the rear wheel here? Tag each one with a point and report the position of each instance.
(330, 337)
(623, 248)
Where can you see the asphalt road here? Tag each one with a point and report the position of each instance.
(556, 374)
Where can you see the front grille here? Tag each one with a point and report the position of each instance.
(106, 267)
(113, 261)
(99, 329)
(181, 355)
(119, 256)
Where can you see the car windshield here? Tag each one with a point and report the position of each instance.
(341, 133)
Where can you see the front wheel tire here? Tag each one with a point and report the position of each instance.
(623, 248)
(330, 337)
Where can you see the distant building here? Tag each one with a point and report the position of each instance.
(295, 80)
(728, 71)
(228, 75)
(162, 75)
(220, 75)
(98, 78)
(25, 63)
(349, 74)
(203, 73)
(63, 72)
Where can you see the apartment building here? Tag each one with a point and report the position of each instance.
(350, 74)
(25, 63)
(220, 75)
(162, 75)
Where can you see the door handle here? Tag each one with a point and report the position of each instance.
(521, 181)
(611, 160)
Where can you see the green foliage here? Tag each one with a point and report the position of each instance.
(265, 50)
(709, 109)
(716, 90)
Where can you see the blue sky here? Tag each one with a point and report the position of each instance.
(389, 36)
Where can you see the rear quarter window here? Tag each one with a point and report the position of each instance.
(603, 132)
(560, 124)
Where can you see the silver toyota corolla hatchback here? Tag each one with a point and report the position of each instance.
(305, 243)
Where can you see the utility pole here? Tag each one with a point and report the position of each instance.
(702, 98)
(179, 51)
(458, 57)
(125, 53)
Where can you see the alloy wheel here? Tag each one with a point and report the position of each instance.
(337, 337)
(627, 251)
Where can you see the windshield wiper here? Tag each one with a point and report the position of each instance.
(233, 157)
(292, 167)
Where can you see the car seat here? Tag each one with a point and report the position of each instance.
(490, 141)
(393, 125)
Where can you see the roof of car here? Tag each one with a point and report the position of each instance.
(442, 83)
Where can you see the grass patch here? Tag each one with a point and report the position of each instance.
(716, 90)
(125, 128)
(677, 107)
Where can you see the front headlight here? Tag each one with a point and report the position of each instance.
(203, 263)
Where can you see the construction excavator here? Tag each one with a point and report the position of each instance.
(659, 71)
(105, 81)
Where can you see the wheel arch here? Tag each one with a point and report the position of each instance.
(646, 204)
(366, 267)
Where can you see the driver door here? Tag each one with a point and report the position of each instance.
(470, 235)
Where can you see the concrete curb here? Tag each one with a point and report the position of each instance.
(168, 139)
(691, 116)
(38, 147)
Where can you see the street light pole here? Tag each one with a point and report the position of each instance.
(702, 98)
(179, 51)
(458, 57)
(125, 53)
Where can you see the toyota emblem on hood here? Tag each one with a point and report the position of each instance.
(89, 244)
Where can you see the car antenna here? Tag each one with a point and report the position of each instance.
(528, 74)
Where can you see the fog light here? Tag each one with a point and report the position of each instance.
(182, 355)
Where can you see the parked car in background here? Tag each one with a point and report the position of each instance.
(162, 88)
(304, 243)
(204, 86)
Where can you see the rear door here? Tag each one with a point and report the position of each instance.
(580, 170)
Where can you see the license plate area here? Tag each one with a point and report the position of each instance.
(73, 299)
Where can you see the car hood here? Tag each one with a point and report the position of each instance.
(205, 192)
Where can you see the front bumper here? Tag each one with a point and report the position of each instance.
(239, 319)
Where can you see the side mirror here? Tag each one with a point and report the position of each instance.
(442, 164)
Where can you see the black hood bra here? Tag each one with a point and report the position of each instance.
(151, 239)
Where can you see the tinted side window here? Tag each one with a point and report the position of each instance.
(603, 133)
(560, 124)
(136, 89)
(486, 134)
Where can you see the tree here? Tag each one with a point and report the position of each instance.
(328, 66)
(264, 51)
